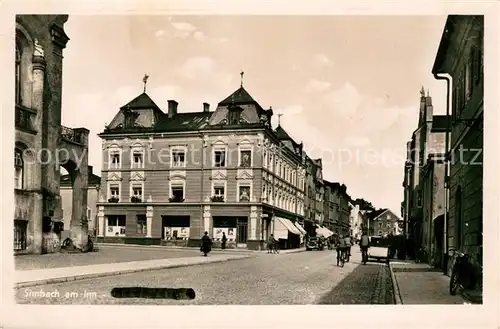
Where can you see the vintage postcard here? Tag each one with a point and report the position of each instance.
(168, 157)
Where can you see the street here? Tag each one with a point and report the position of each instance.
(266, 279)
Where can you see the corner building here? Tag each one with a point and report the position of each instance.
(169, 177)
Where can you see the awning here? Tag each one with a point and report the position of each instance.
(280, 230)
(289, 225)
(323, 231)
(301, 229)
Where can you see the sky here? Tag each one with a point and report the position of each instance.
(348, 86)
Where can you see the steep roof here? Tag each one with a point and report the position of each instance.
(93, 180)
(240, 96)
(183, 121)
(375, 213)
(143, 101)
(282, 134)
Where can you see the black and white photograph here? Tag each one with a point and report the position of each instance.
(174, 159)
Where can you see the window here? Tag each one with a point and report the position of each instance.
(18, 169)
(419, 199)
(114, 193)
(218, 192)
(178, 158)
(176, 191)
(245, 158)
(18, 74)
(115, 159)
(116, 225)
(137, 159)
(467, 81)
(219, 158)
(244, 193)
(141, 224)
(137, 192)
(20, 235)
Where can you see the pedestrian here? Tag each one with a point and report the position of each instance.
(224, 239)
(206, 244)
(340, 247)
(348, 245)
(364, 244)
(271, 244)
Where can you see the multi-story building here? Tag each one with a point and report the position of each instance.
(314, 205)
(460, 56)
(356, 219)
(66, 190)
(382, 222)
(421, 195)
(40, 40)
(338, 207)
(169, 177)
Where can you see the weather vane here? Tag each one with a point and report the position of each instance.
(241, 73)
(145, 80)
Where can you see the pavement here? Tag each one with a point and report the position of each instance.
(32, 270)
(421, 284)
(296, 278)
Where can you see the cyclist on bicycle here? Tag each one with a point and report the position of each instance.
(271, 244)
(364, 244)
(341, 247)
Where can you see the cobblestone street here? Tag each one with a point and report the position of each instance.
(301, 278)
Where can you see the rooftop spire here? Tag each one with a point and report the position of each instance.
(279, 118)
(241, 73)
(145, 81)
(422, 92)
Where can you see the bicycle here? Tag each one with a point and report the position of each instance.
(462, 273)
(341, 257)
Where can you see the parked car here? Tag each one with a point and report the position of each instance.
(379, 249)
(315, 243)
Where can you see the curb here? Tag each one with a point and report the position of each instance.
(395, 287)
(112, 273)
(285, 251)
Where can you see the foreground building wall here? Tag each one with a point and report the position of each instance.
(464, 35)
(40, 40)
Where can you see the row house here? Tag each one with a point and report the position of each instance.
(337, 208)
(424, 196)
(169, 177)
(460, 62)
(38, 221)
(356, 219)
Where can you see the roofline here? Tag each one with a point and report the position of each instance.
(443, 44)
(386, 210)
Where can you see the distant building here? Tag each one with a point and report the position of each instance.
(460, 55)
(383, 222)
(338, 207)
(169, 177)
(94, 185)
(356, 219)
(39, 44)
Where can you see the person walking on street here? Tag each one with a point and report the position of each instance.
(271, 243)
(347, 240)
(224, 240)
(206, 244)
(364, 244)
(341, 248)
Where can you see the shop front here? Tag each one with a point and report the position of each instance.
(289, 234)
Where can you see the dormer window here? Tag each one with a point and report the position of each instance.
(234, 115)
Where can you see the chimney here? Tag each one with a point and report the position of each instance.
(206, 107)
(172, 108)
(90, 170)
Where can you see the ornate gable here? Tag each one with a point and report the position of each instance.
(115, 177)
(218, 175)
(244, 175)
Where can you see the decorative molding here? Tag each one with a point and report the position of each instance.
(219, 174)
(245, 174)
(177, 174)
(114, 177)
(137, 176)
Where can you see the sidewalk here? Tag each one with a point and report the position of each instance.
(420, 284)
(242, 251)
(64, 274)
